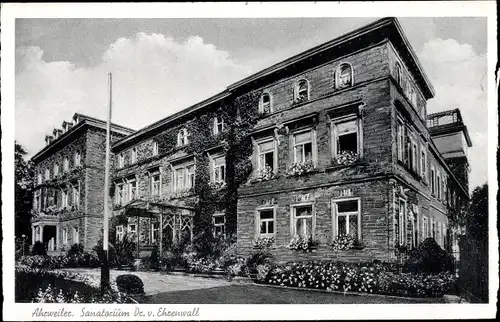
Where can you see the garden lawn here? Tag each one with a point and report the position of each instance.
(255, 294)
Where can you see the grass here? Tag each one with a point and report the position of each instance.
(253, 294)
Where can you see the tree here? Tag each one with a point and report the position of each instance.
(477, 213)
(23, 192)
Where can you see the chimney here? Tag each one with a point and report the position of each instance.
(76, 118)
(57, 133)
(48, 139)
(67, 126)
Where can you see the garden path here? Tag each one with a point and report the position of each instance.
(157, 282)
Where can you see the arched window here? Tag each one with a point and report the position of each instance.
(398, 73)
(265, 106)
(56, 169)
(302, 90)
(344, 76)
(182, 137)
(77, 159)
(66, 164)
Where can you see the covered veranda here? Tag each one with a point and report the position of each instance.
(159, 223)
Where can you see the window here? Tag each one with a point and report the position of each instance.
(132, 189)
(423, 162)
(155, 229)
(65, 236)
(433, 228)
(438, 185)
(155, 148)
(433, 180)
(398, 73)
(65, 198)
(218, 125)
(438, 234)
(38, 200)
(133, 155)
(302, 221)
(400, 140)
(66, 164)
(415, 226)
(39, 178)
(301, 91)
(344, 76)
(219, 222)
(347, 218)
(401, 222)
(121, 160)
(425, 228)
(120, 193)
(182, 138)
(75, 189)
(265, 222)
(219, 169)
(78, 160)
(414, 158)
(303, 146)
(184, 177)
(444, 189)
(56, 170)
(346, 137)
(119, 232)
(76, 235)
(132, 229)
(265, 106)
(154, 184)
(47, 174)
(266, 155)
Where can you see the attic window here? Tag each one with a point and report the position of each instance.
(302, 90)
(265, 104)
(344, 76)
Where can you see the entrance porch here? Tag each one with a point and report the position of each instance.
(47, 233)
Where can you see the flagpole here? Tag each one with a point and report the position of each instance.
(105, 240)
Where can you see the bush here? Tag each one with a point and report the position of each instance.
(39, 248)
(154, 259)
(122, 253)
(169, 261)
(258, 258)
(428, 258)
(130, 284)
(75, 249)
(356, 277)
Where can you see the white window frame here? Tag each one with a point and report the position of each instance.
(56, 169)
(414, 148)
(261, 103)
(402, 227)
(76, 235)
(152, 182)
(130, 188)
(297, 88)
(334, 133)
(259, 221)
(65, 239)
(182, 137)
(401, 129)
(75, 195)
(155, 148)
(39, 178)
(65, 197)
(335, 216)
(213, 177)
(423, 162)
(154, 230)
(438, 186)
(120, 193)
(133, 155)
(119, 232)
(78, 159)
(293, 217)
(314, 153)
(425, 227)
(215, 226)
(398, 73)
(218, 121)
(66, 164)
(130, 230)
(121, 160)
(47, 174)
(186, 175)
(433, 180)
(338, 73)
(260, 166)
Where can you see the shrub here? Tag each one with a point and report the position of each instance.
(130, 284)
(39, 248)
(75, 249)
(258, 258)
(154, 259)
(428, 258)
(169, 261)
(122, 253)
(238, 268)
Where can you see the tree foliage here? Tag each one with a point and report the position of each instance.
(24, 173)
(477, 213)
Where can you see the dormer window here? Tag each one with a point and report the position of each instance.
(344, 76)
(265, 106)
(302, 90)
(182, 137)
(218, 125)
(66, 164)
(155, 148)
(78, 160)
(133, 155)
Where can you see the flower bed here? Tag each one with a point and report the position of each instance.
(88, 260)
(359, 277)
(43, 286)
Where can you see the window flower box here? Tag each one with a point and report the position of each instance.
(345, 242)
(302, 243)
(301, 168)
(263, 242)
(345, 158)
(264, 175)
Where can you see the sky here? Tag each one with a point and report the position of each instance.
(161, 66)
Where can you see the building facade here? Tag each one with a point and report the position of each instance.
(69, 184)
(332, 144)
